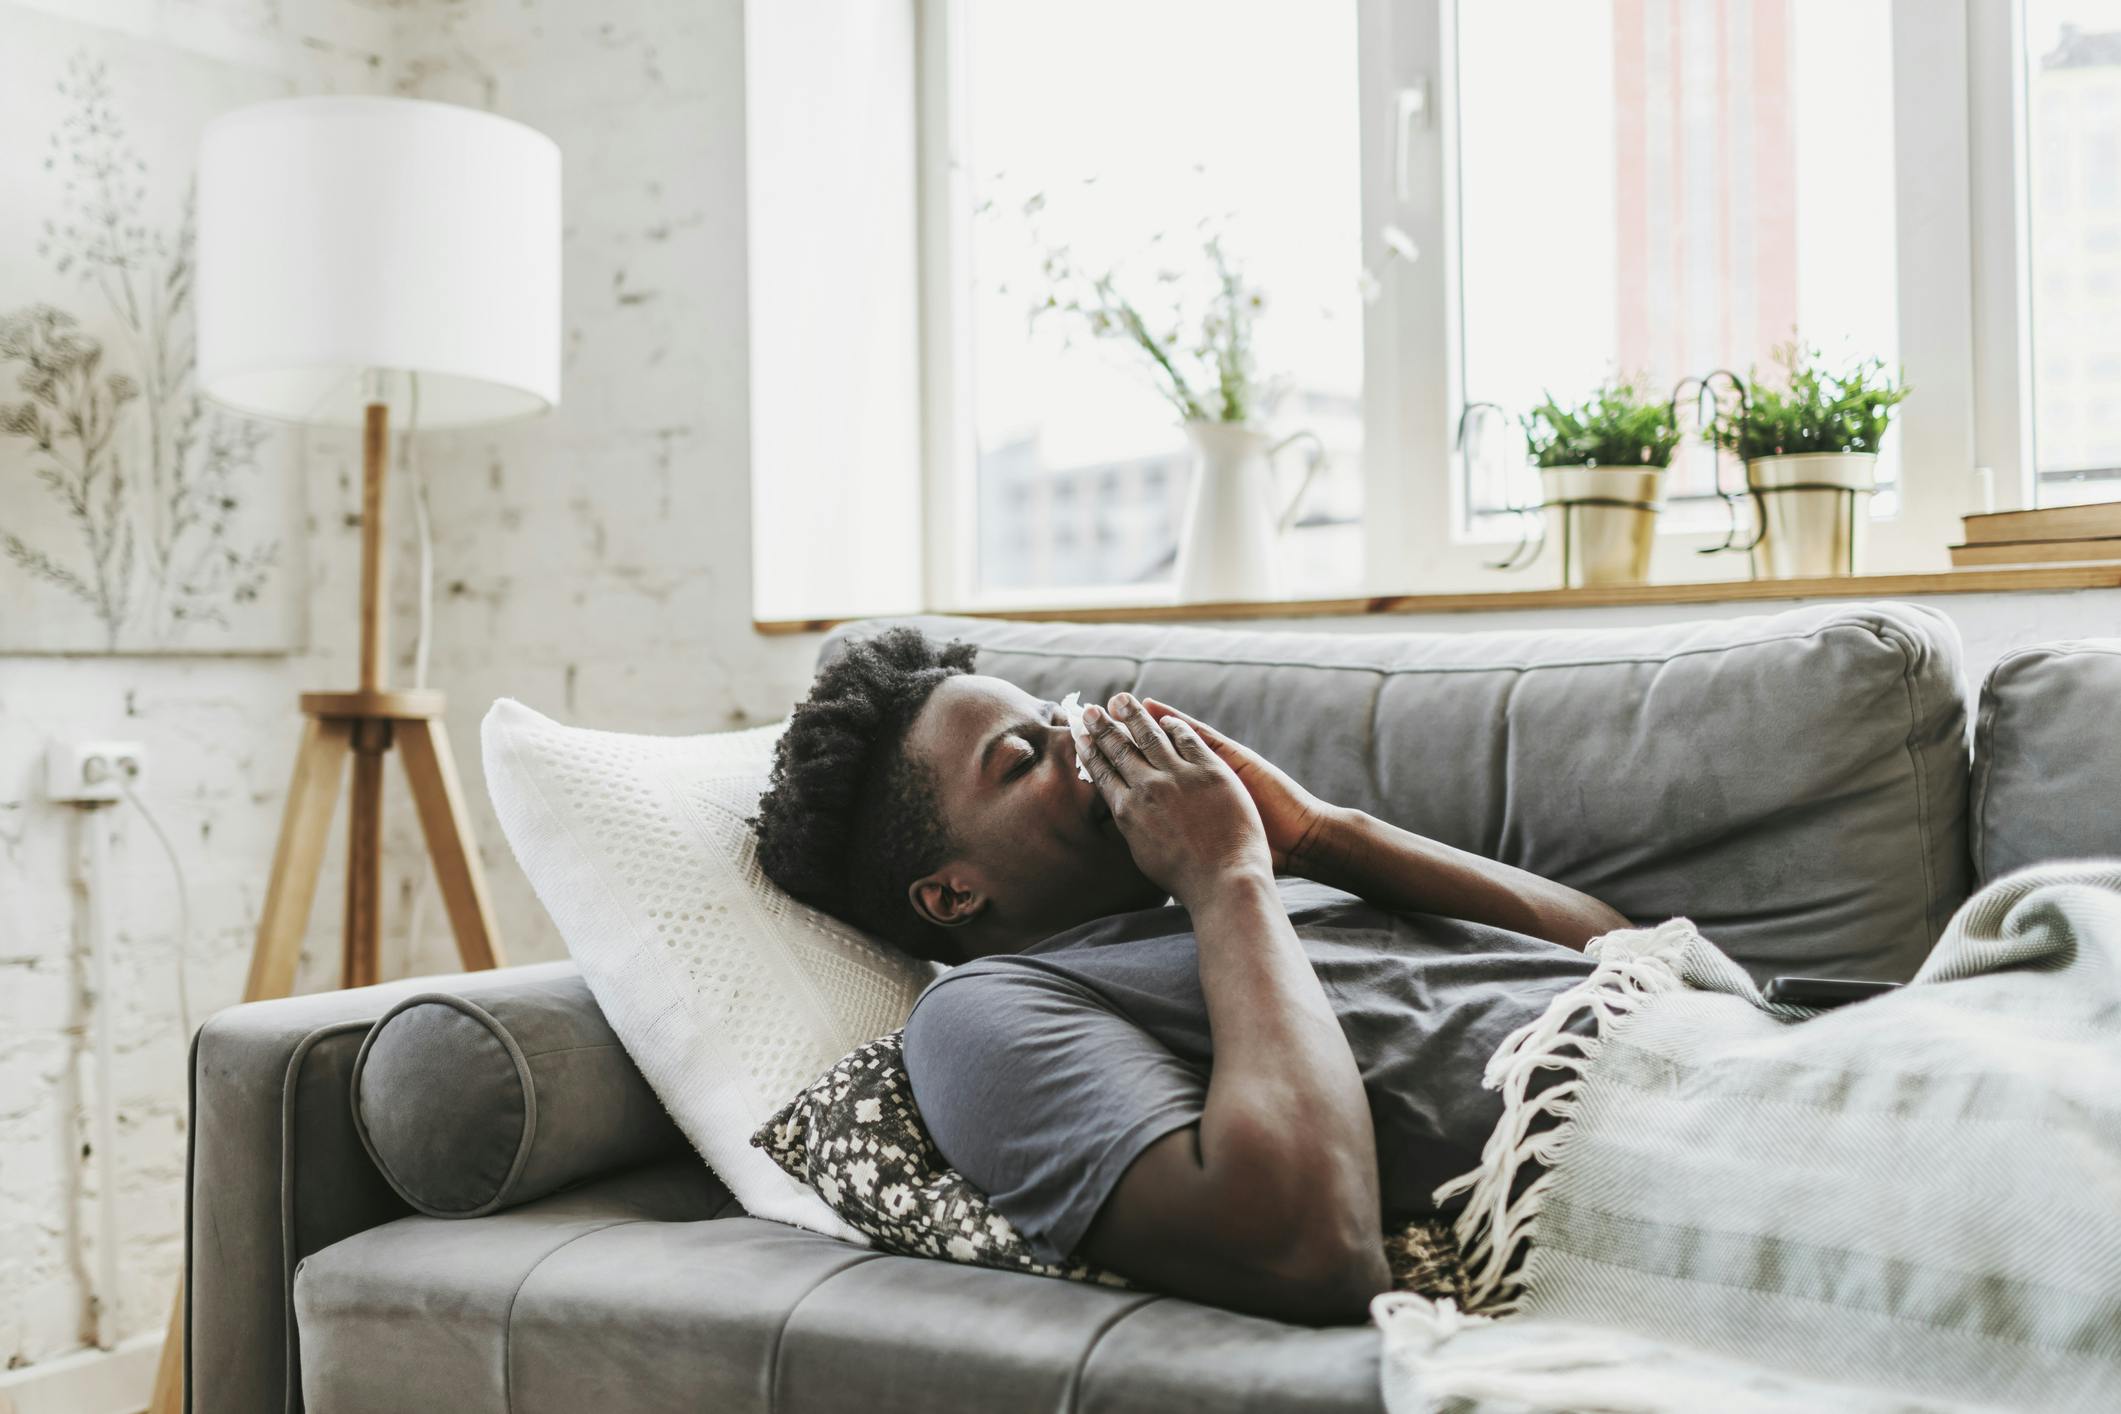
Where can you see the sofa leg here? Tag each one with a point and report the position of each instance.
(168, 1397)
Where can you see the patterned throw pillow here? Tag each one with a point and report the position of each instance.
(855, 1136)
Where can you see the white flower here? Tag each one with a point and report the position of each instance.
(869, 1111)
(862, 1174)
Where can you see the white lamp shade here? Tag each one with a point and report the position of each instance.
(339, 235)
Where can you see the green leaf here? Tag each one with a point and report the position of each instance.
(1618, 426)
(1817, 411)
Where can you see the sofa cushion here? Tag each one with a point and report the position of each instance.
(1795, 783)
(2047, 757)
(468, 1106)
(624, 1288)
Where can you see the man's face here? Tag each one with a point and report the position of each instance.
(1037, 850)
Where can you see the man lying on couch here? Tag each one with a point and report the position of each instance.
(1108, 937)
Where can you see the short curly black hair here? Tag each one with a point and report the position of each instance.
(849, 819)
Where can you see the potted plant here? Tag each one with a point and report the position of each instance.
(1201, 360)
(1810, 449)
(1601, 468)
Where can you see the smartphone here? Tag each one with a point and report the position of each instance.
(1824, 991)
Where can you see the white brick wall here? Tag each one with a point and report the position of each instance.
(593, 563)
(219, 732)
(596, 562)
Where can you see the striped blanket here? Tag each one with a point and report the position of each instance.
(1912, 1202)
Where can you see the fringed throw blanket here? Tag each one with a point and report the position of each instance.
(1919, 1193)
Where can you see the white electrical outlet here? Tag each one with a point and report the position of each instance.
(84, 772)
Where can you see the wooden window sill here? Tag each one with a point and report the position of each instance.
(1862, 586)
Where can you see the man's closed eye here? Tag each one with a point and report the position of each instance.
(1031, 751)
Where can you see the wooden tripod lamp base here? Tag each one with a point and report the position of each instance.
(364, 725)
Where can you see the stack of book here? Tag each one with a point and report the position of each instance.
(2054, 535)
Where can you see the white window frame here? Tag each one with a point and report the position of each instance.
(949, 570)
(1999, 176)
(1934, 253)
(1959, 174)
(2004, 297)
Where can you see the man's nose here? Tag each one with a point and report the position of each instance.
(1068, 750)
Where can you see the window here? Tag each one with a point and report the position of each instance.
(1699, 184)
(1127, 134)
(1697, 181)
(1445, 202)
(2072, 55)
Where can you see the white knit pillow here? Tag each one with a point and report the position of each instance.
(727, 993)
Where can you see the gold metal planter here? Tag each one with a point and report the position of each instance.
(1812, 513)
(1608, 521)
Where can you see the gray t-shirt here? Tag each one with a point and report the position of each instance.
(1043, 1074)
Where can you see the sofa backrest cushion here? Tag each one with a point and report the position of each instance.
(2047, 757)
(1795, 783)
(469, 1107)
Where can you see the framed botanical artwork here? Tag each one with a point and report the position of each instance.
(135, 516)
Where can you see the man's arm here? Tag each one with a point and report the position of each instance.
(1269, 1203)
(1394, 868)
(1399, 870)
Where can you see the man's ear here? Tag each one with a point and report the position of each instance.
(947, 898)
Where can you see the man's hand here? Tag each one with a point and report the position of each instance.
(1187, 819)
(1295, 820)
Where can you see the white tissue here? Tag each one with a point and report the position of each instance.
(1072, 708)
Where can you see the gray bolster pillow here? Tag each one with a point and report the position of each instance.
(470, 1107)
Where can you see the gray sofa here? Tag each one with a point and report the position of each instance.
(1805, 785)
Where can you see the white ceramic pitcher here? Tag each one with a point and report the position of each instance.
(1228, 546)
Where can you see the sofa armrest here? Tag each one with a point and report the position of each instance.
(276, 1171)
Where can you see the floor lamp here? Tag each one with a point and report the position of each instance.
(347, 246)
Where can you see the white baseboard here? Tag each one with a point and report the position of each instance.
(118, 1381)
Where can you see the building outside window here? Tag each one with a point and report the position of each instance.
(2073, 87)
(1700, 184)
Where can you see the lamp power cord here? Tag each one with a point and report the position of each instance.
(182, 950)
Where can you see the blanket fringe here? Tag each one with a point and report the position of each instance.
(1632, 966)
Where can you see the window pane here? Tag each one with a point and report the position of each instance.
(1116, 129)
(1698, 182)
(2073, 89)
